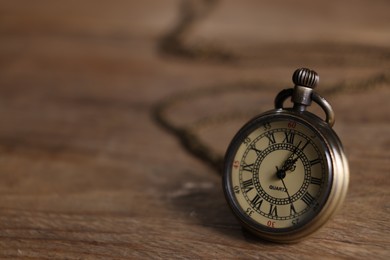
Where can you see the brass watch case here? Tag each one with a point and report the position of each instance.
(338, 175)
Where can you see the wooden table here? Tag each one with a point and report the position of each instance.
(98, 100)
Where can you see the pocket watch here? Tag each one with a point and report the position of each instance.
(285, 172)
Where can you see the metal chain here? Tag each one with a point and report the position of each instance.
(188, 134)
(173, 43)
(190, 13)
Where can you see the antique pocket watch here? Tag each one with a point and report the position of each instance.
(285, 171)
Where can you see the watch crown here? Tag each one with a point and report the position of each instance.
(305, 77)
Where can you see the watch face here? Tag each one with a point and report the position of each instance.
(277, 174)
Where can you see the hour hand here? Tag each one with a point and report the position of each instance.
(289, 165)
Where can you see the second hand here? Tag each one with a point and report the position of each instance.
(281, 174)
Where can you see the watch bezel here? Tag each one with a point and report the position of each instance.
(336, 165)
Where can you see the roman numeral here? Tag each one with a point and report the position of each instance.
(303, 146)
(316, 181)
(247, 185)
(258, 152)
(247, 167)
(292, 210)
(273, 210)
(271, 138)
(257, 201)
(289, 137)
(315, 161)
(307, 198)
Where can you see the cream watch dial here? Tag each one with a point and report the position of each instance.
(279, 175)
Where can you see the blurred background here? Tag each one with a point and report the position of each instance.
(116, 116)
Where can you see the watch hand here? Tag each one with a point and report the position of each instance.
(281, 174)
(289, 162)
(289, 198)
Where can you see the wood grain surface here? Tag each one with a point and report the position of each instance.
(115, 115)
